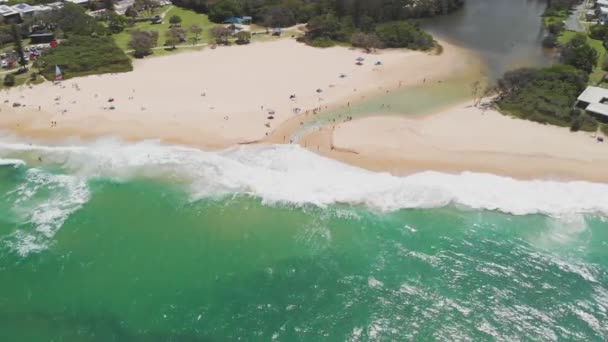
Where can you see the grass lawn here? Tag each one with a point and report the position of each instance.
(596, 75)
(21, 79)
(188, 19)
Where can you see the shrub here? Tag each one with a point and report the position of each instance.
(550, 41)
(322, 42)
(584, 123)
(175, 20)
(142, 42)
(367, 41)
(243, 37)
(9, 80)
(404, 35)
(545, 95)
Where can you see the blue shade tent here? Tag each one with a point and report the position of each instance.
(233, 20)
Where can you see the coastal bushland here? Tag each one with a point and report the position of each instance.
(85, 55)
(545, 95)
(332, 22)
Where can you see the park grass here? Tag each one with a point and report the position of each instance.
(188, 19)
(596, 76)
(21, 79)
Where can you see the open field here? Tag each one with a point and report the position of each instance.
(189, 18)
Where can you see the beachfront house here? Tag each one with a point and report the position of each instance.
(601, 10)
(24, 10)
(594, 100)
(9, 14)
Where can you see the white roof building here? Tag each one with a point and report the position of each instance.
(6, 11)
(24, 9)
(595, 100)
(78, 2)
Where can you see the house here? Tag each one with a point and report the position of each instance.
(24, 10)
(9, 14)
(41, 38)
(595, 101)
(55, 5)
(79, 2)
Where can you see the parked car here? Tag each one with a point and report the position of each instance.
(4, 64)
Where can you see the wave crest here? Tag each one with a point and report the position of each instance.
(289, 174)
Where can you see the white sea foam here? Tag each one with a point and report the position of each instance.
(44, 201)
(11, 162)
(292, 175)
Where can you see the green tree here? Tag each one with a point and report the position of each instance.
(18, 46)
(323, 26)
(116, 23)
(196, 31)
(225, 9)
(221, 34)
(367, 41)
(404, 35)
(72, 19)
(243, 37)
(109, 5)
(142, 42)
(174, 36)
(175, 20)
(578, 53)
(9, 80)
(146, 5)
(131, 12)
(279, 16)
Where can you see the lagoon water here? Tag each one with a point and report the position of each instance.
(506, 33)
(109, 241)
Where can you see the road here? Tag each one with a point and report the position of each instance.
(573, 22)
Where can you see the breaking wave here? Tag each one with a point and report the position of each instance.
(289, 174)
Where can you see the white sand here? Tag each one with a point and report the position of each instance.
(465, 138)
(163, 98)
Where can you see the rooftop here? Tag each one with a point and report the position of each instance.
(6, 10)
(597, 99)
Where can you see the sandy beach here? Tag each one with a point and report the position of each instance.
(465, 138)
(263, 93)
(218, 97)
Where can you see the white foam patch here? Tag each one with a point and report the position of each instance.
(11, 162)
(44, 201)
(290, 174)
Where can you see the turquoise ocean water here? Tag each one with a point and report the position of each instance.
(144, 242)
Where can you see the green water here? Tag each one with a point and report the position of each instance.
(141, 261)
(422, 99)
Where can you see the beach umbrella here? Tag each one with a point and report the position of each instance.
(360, 59)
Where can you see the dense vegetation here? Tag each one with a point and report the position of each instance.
(555, 13)
(546, 95)
(85, 55)
(289, 12)
(331, 21)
